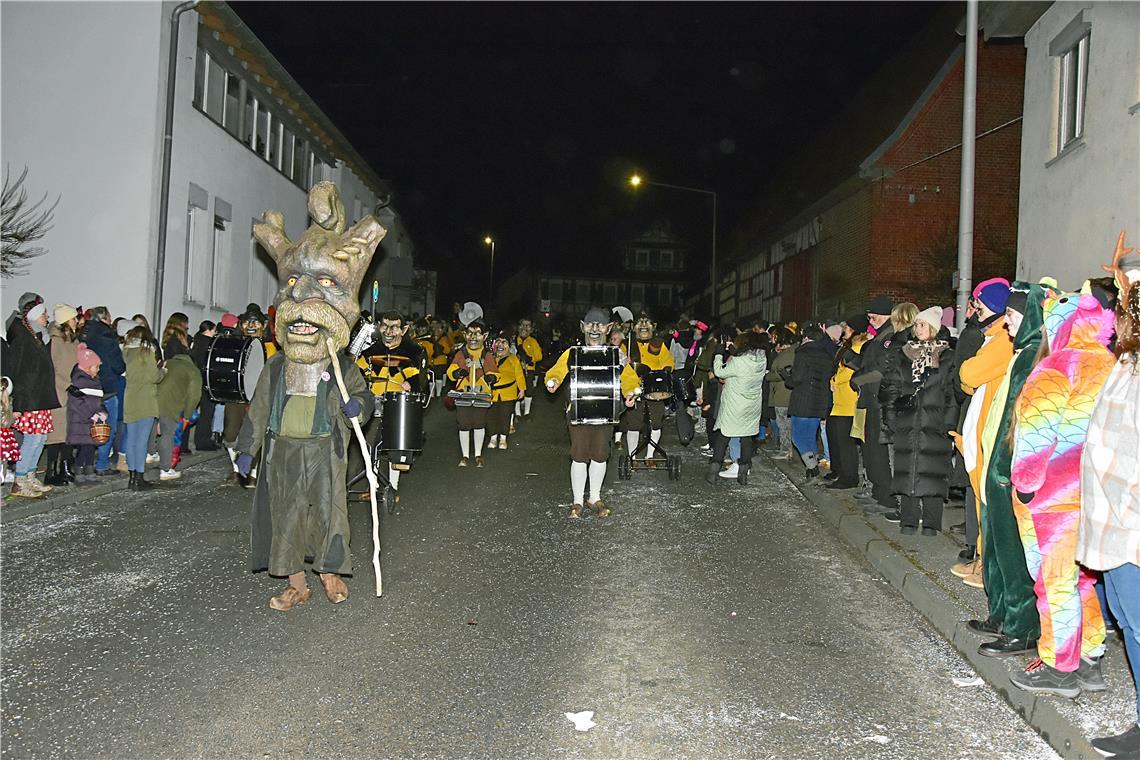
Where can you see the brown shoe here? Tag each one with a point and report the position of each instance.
(965, 569)
(974, 580)
(600, 509)
(478, 461)
(575, 511)
(20, 487)
(290, 598)
(335, 589)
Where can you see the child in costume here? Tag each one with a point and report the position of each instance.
(507, 392)
(473, 370)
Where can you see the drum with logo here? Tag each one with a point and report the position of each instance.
(402, 421)
(657, 385)
(595, 385)
(233, 365)
(683, 389)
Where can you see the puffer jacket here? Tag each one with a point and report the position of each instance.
(84, 401)
(810, 380)
(870, 369)
(742, 395)
(141, 400)
(180, 389)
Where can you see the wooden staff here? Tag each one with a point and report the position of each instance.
(372, 483)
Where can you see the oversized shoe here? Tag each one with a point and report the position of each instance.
(335, 589)
(290, 598)
(600, 509)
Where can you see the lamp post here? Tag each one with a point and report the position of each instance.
(491, 281)
(637, 181)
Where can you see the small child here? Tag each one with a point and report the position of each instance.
(9, 449)
(84, 406)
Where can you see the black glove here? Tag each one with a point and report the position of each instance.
(75, 392)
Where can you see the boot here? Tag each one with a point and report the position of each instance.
(138, 482)
(21, 487)
(742, 474)
(53, 475)
(87, 476)
(69, 469)
(712, 473)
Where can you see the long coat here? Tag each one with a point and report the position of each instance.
(28, 363)
(81, 407)
(742, 395)
(779, 394)
(63, 361)
(810, 380)
(921, 415)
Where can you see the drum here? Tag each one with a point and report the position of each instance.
(233, 365)
(402, 422)
(683, 389)
(363, 336)
(595, 385)
(657, 385)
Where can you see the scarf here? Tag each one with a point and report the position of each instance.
(923, 356)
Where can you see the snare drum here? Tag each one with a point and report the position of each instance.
(233, 365)
(402, 423)
(683, 388)
(595, 385)
(657, 385)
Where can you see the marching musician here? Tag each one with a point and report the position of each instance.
(530, 354)
(647, 353)
(251, 324)
(590, 444)
(394, 364)
(473, 370)
(507, 391)
(443, 349)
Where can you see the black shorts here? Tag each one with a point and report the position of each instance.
(590, 443)
(634, 419)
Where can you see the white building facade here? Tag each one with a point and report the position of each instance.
(1080, 144)
(84, 89)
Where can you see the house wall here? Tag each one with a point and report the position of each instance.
(1073, 207)
(82, 115)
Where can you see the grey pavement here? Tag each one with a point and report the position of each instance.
(696, 622)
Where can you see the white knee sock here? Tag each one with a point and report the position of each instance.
(394, 477)
(632, 438)
(655, 436)
(597, 477)
(480, 434)
(494, 440)
(526, 405)
(465, 443)
(578, 481)
(519, 407)
(617, 436)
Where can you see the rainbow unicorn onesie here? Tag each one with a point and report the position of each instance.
(1052, 422)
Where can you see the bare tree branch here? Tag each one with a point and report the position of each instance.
(23, 225)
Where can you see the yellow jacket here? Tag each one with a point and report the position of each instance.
(984, 369)
(459, 371)
(532, 352)
(842, 394)
(661, 360)
(511, 381)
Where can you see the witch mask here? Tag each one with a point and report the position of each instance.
(319, 275)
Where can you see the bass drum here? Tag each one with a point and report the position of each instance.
(233, 365)
(595, 385)
(657, 385)
(402, 422)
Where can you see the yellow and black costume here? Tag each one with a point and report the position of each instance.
(386, 370)
(509, 387)
(645, 356)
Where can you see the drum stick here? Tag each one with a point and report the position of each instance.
(372, 484)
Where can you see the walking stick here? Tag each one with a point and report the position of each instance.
(372, 484)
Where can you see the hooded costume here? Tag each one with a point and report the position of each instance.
(1052, 421)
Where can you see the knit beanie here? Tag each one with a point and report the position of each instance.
(229, 319)
(835, 332)
(87, 359)
(63, 312)
(858, 323)
(880, 304)
(32, 306)
(932, 317)
(994, 296)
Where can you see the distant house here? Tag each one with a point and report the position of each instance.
(1080, 150)
(871, 205)
(87, 119)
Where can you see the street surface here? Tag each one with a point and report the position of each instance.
(695, 623)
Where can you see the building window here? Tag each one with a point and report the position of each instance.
(197, 270)
(231, 111)
(583, 292)
(664, 295)
(637, 295)
(641, 258)
(666, 259)
(555, 290)
(609, 293)
(220, 264)
(1074, 64)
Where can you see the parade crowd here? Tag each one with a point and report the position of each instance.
(1030, 416)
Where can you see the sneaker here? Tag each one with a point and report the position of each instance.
(1090, 677)
(962, 569)
(1121, 744)
(152, 458)
(33, 482)
(171, 474)
(706, 450)
(893, 516)
(463, 462)
(1043, 679)
(121, 466)
(730, 472)
(478, 461)
(974, 580)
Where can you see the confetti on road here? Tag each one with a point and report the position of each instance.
(583, 721)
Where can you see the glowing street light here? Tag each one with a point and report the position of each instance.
(491, 282)
(635, 181)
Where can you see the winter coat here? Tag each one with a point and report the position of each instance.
(62, 359)
(969, 343)
(173, 348)
(843, 395)
(920, 415)
(980, 376)
(779, 394)
(199, 349)
(84, 401)
(810, 380)
(28, 363)
(180, 389)
(143, 374)
(742, 395)
(869, 372)
(101, 339)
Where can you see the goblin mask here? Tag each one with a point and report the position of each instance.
(319, 275)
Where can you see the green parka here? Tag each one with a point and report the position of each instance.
(180, 389)
(143, 374)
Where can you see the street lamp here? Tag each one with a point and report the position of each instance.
(636, 181)
(491, 282)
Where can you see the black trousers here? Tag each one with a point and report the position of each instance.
(844, 451)
(876, 459)
(925, 508)
(720, 448)
(971, 515)
(203, 435)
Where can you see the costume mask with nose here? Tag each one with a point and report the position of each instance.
(645, 328)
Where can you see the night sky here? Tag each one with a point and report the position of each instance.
(523, 120)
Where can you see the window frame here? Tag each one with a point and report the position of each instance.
(1072, 92)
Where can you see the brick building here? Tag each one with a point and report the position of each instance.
(881, 213)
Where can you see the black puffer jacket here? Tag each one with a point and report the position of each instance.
(810, 380)
(28, 362)
(101, 339)
(868, 367)
(920, 415)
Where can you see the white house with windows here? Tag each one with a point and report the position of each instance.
(84, 90)
(1080, 139)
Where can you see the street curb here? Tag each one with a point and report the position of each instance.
(945, 614)
(20, 508)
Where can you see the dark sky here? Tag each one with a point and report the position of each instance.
(523, 120)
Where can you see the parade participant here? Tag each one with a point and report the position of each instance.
(442, 351)
(589, 444)
(251, 323)
(298, 423)
(1052, 420)
(647, 352)
(421, 336)
(473, 370)
(394, 364)
(530, 354)
(509, 389)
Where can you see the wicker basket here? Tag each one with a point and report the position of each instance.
(100, 433)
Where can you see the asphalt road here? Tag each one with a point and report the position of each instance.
(695, 622)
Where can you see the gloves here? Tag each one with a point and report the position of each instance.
(244, 464)
(351, 408)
